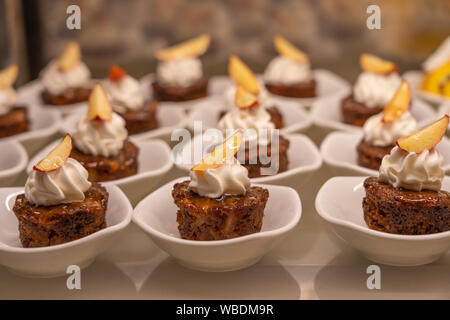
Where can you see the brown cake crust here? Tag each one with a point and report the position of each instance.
(201, 218)
(41, 226)
(70, 96)
(306, 89)
(370, 156)
(102, 168)
(275, 117)
(177, 94)
(400, 211)
(356, 113)
(141, 120)
(254, 170)
(14, 122)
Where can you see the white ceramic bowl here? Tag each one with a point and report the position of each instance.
(295, 119)
(13, 160)
(339, 202)
(154, 161)
(415, 78)
(338, 151)
(156, 215)
(53, 261)
(326, 114)
(169, 119)
(304, 160)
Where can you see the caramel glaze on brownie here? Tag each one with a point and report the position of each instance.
(254, 169)
(305, 89)
(275, 117)
(102, 168)
(177, 94)
(41, 226)
(141, 120)
(370, 156)
(69, 96)
(401, 211)
(14, 122)
(201, 218)
(356, 113)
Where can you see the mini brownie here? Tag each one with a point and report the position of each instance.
(275, 117)
(401, 211)
(102, 168)
(370, 156)
(141, 120)
(41, 226)
(305, 89)
(69, 96)
(356, 113)
(177, 94)
(254, 170)
(14, 122)
(202, 218)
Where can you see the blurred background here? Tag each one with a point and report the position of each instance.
(128, 32)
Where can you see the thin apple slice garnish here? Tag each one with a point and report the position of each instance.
(220, 154)
(8, 76)
(425, 139)
(399, 104)
(242, 75)
(57, 157)
(244, 99)
(99, 107)
(374, 64)
(70, 57)
(116, 73)
(191, 48)
(286, 49)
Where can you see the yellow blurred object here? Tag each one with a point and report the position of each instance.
(437, 82)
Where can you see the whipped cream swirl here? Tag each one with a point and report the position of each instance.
(104, 138)
(284, 71)
(180, 72)
(124, 94)
(376, 90)
(412, 171)
(229, 179)
(383, 134)
(7, 99)
(57, 81)
(264, 98)
(64, 185)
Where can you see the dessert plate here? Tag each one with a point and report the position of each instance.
(339, 202)
(156, 215)
(169, 119)
(12, 163)
(326, 114)
(208, 111)
(53, 261)
(304, 160)
(154, 159)
(415, 79)
(338, 151)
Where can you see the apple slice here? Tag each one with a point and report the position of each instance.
(116, 73)
(244, 99)
(374, 64)
(99, 107)
(242, 75)
(57, 157)
(8, 76)
(191, 48)
(70, 57)
(220, 154)
(399, 104)
(286, 49)
(425, 139)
